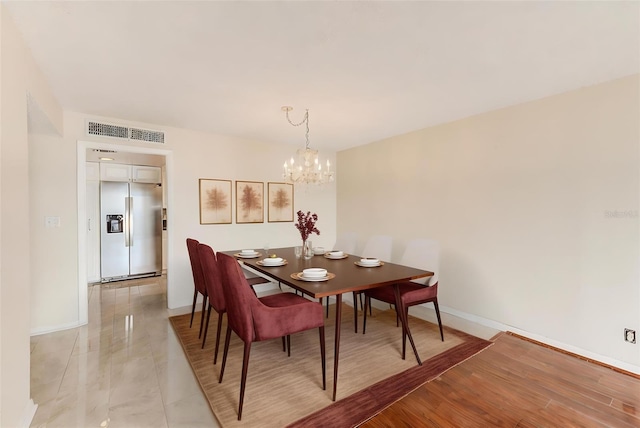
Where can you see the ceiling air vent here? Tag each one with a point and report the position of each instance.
(146, 135)
(107, 130)
(117, 131)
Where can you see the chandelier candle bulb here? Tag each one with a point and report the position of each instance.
(305, 171)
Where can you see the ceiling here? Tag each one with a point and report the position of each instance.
(365, 70)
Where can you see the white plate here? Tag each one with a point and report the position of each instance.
(262, 263)
(368, 265)
(329, 256)
(248, 256)
(316, 279)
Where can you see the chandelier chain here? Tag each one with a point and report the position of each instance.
(304, 120)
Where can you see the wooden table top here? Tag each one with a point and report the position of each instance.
(348, 276)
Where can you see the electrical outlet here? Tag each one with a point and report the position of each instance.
(629, 335)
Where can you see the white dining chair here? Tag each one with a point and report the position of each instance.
(346, 242)
(379, 247)
(423, 253)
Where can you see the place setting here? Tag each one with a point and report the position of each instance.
(272, 261)
(335, 255)
(313, 275)
(248, 254)
(368, 262)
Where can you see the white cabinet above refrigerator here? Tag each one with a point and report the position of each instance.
(130, 173)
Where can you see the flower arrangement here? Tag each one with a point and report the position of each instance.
(307, 224)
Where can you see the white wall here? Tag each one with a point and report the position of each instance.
(523, 201)
(194, 155)
(19, 78)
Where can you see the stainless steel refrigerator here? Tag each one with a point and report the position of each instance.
(131, 230)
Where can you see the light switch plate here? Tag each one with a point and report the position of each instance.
(52, 222)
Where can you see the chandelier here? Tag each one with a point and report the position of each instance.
(305, 167)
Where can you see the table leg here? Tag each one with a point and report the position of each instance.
(405, 322)
(336, 351)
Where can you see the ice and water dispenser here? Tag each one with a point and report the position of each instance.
(115, 223)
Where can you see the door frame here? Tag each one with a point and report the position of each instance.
(83, 301)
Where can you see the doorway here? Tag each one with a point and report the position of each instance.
(91, 151)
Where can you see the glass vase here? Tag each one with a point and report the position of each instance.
(307, 249)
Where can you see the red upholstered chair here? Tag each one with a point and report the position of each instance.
(421, 254)
(215, 295)
(198, 280)
(253, 321)
(213, 282)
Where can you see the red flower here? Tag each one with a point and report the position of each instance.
(307, 224)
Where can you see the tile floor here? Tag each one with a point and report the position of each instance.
(125, 368)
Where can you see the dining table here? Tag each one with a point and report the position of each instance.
(344, 275)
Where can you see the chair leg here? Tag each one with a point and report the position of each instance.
(215, 355)
(322, 355)
(407, 332)
(367, 302)
(284, 344)
(435, 304)
(193, 307)
(206, 326)
(227, 339)
(243, 379)
(204, 302)
(404, 333)
(355, 311)
(288, 345)
(327, 306)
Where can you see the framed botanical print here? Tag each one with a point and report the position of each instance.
(215, 201)
(280, 202)
(249, 202)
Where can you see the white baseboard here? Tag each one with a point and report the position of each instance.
(52, 329)
(28, 414)
(542, 339)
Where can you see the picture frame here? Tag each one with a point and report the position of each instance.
(215, 201)
(280, 202)
(249, 202)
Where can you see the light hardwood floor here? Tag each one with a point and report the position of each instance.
(516, 383)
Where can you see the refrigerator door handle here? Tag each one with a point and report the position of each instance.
(127, 221)
(131, 221)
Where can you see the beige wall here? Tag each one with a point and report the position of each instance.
(521, 200)
(19, 79)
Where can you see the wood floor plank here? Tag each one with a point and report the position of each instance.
(518, 383)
